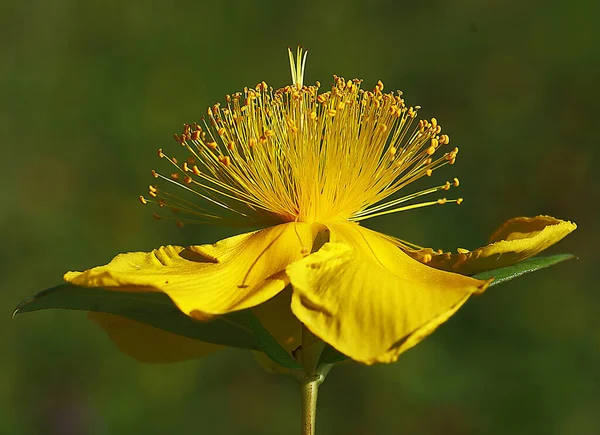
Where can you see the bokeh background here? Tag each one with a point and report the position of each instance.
(89, 91)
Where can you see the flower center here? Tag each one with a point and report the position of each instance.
(295, 154)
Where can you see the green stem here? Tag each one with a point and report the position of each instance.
(309, 390)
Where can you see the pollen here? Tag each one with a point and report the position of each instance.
(300, 153)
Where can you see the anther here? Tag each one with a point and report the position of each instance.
(185, 167)
(196, 170)
(230, 145)
(462, 250)
(175, 176)
(434, 142)
(459, 201)
(187, 179)
(392, 150)
(212, 145)
(221, 131)
(151, 188)
(382, 128)
(429, 172)
(446, 186)
(269, 133)
(442, 201)
(331, 112)
(154, 173)
(143, 200)
(195, 135)
(427, 258)
(434, 123)
(431, 150)
(313, 115)
(341, 105)
(160, 153)
(456, 182)
(226, 160)
(251, 142)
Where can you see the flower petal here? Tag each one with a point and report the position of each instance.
(518, 239)
(208, 280)
(364, 296)
(149, 344)
(277, 317)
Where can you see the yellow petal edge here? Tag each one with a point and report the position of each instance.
(516, 240)
(368, 299)
(205, 281)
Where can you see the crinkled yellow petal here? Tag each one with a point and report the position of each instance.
(518, 239)
(208, 280)
(149, 344)
(368, 299)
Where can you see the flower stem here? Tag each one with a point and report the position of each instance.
(309, 390)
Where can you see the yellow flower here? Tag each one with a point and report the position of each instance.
(308, 166)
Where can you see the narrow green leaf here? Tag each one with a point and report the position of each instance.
(331, 355)
(507, 273)
(152, 308)
(270, 346)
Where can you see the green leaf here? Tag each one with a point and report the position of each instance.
(271, 347)
(152, 308)
(507, 273)
(331, 355)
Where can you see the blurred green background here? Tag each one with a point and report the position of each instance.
(90, 90)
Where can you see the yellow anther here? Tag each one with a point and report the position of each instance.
(187, 179)
(269, 133)
(252, 142)
(462, 251)
(196, 170)
(380, 85)
(221, 131)
(322, 98)
(429, 172)
(175, 176)
(430, 150)
(452, 160)
(341, 105)
(331, 112)
(195, 135)
(392, 150)
(428, 161)
(313, 115)
(226, 160)
(154, 173)
(230, 145)
(152, 188)
(456, 182)
(434, 142)
(459, 201)
(444, 139)
(446, 186)
(143, 200)
(212, 145)
(442, 201)
(411, 112)
(160, 153)
(382, 128)
(152, 194)
(174, 160)
(434, 123)
(427, 258)
(185, 167)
